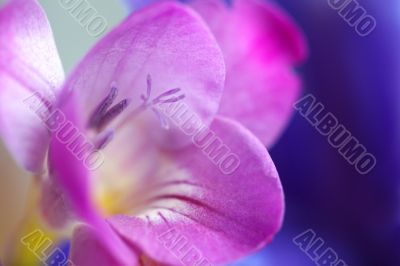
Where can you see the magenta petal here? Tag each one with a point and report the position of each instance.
(260, 45)
(29, 63)
(167, 42)
(221, 216)
(165, 45)
(88, 250)
(73, 176)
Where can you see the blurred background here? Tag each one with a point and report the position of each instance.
(357, 79)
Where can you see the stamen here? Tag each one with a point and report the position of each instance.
(169, 96)
(101, 109)
(161, 97)
(163, 121)
(148, 90)
(103, 139)
(112, 113)
(173, 99)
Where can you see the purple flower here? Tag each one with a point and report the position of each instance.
(261, 45)
(182, 181)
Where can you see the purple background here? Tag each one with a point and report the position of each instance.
(357, 79)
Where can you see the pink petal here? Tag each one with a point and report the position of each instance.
(87, 250)
(166, 41)
(74, 179)
(29, 63)
(221, 217)
(260, 45)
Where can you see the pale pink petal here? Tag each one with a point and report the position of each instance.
(29, 64)
(260, 45)
(220, 217)
(169, 43)
(166, 43)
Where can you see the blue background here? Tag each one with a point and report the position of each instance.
(357, 79)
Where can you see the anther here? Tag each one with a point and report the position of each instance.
(102, 108)
(169, 96)
(111, 114)
(103, 139)
(146, 97)
(163, 98)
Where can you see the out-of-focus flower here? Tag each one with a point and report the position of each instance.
(157, 187)
(261, 45)
(28, 63)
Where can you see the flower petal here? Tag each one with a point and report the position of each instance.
(219, 216)
(260, 45)
(160, 53)
(265, 30)
(29, 63)
(74, 180)
(87, 249)
(166, 46)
